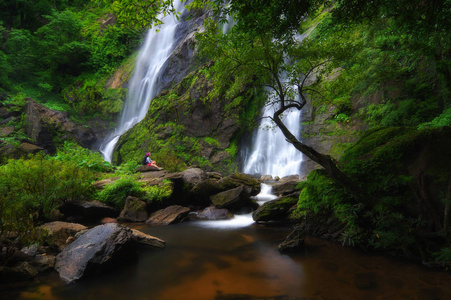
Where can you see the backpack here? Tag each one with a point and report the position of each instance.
(145, 160)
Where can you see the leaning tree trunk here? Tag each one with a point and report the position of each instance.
(326, 162)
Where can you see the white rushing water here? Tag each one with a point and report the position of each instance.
(271, 154)
(144, 84)
(239, 221)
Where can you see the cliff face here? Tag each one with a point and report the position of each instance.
(186, 126)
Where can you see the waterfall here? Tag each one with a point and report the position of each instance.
(144, 84)
(270, 153)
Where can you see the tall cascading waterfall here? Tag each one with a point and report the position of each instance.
(144, 84)
(270, 153)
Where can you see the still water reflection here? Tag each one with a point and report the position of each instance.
(206, 261)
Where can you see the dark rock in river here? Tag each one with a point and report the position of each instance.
(170, 215)
(275, 210)
(88, 211)
(294, 242)
(20, 272)
(94, 251)
(213, 213)
(147, 240)
(283, 188)
(134, 210)
(43, 263)
(235, 200)
(240, 179)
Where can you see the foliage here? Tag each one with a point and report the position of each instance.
(30, 189)
(442, 120)
(84, 158)
(140, 13)
(116, 192)
(382, 161)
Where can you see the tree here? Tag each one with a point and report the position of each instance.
(133, 13)
(283, 66)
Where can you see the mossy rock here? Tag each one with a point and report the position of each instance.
(239, 179)
(276, 210)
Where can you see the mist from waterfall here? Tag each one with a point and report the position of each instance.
(144, 84)
(270, 153)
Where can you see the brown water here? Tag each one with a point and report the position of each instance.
(227, 262)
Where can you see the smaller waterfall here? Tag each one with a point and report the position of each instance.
(144, 84)
(271, 153)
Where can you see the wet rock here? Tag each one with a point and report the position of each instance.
(235, 200)
(43, 263)
(147, 240)
(283, 188)
(202, 191)
(20, 272)
(88, 211)
(170, 215)
(266, 178)
(194, 176)
(290, 178)
(240, 179)
(96, 250)
(213, 213)
(293, 243)
(108, 220)
(275, 210)
(134, 210)
(59, 232)
(30, 250)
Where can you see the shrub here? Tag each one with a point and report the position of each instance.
(31, 188)
(116, 192)
(72, 152)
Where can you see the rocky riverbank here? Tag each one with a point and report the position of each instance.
(90, 237)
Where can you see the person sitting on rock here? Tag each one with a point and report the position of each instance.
(149, 162)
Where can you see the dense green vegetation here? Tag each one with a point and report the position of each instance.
(62, 53)
(384, 64)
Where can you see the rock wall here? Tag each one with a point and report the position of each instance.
(187, 124)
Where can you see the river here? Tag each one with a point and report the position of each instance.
(239, 260)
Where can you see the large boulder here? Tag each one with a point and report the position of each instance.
(276, 210)
(202, 191)
(134, 210)
(286, 187)
(96, 250)
(194, 176)
(59, 233)
(169, 215)
(240, 179)
(43, 123)
(235, 200)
